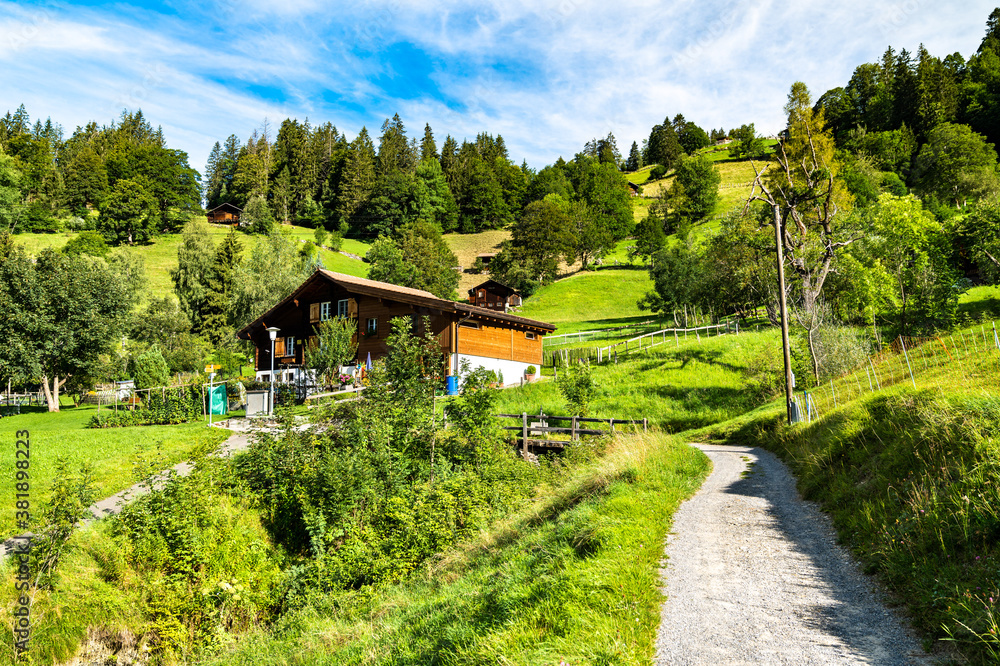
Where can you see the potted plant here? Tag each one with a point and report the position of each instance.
(529, 373)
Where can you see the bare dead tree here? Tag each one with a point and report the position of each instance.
(802, 196)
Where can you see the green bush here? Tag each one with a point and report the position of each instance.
(149, 370)
(577, 386)
(205, 565)
(657, 172)
(167, 407)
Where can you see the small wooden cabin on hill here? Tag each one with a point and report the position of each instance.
(494, 296)
(225, 213)
(486, 338)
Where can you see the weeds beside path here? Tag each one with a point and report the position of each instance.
(755, 577)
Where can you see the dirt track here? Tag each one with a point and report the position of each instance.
(754, 576)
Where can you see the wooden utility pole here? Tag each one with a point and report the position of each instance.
(783, 306)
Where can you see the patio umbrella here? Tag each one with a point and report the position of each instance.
(368, 363)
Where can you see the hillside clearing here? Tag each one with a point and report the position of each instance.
(591, 299)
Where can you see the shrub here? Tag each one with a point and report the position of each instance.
(657, 172)
(87, 242)
(168, 407)
(150, 370)
(577, 386)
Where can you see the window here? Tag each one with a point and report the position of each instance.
(470, 324)
(324, 311)
(481, 293)
(290, 346)
(342, 308)
(529, 336)
(371, 326)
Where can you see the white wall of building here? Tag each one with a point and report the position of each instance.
(512, 371)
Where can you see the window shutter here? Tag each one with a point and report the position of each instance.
(279, 347)
(352, 307)
(313, 313)
(313, 342)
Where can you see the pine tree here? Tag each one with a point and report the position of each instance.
(394, 151)
(213, 177)
(633, 162)
(219, 288)
(428, 149)
(358, 181)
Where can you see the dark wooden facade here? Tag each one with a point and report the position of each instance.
(226, 213)
(494, 295)
(461, 330)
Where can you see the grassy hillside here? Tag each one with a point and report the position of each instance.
(676, 388)
(161, 255)
(466, 247)
(573, 579)
(592, 299)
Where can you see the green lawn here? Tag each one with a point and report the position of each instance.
(591, 299)
(111, 452)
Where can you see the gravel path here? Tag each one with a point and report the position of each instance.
(755, 577)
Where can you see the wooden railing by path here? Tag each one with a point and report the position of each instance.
(541, 427)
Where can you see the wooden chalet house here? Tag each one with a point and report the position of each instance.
(493, 295)
(484, 337)
(225, 213)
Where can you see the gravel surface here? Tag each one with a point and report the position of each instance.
(755, 576)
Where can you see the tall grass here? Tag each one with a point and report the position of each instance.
(678, 389)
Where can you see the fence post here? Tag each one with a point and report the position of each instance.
(612, 426)
(678, 342)
(524, 435)
(877, 382)
(644, 424)
(834, 392)
(573, 434)
(907, 357)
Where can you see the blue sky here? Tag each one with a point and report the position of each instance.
(547, 74)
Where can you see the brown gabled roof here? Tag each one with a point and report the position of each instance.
(227, 205)
(486, 285)
(378, 289)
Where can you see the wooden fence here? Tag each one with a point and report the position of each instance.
(541, 427)
(637, 343)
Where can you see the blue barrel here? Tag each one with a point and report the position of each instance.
(452, 385)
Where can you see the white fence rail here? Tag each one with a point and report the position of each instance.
(637, 344)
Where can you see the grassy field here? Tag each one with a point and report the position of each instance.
(111, 452)
(676, 388)
(466, 247)
(592, 299)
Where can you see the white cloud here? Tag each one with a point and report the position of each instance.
(547, 75)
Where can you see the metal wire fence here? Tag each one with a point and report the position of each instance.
(967, 358)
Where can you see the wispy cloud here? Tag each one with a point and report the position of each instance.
(547, 74)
